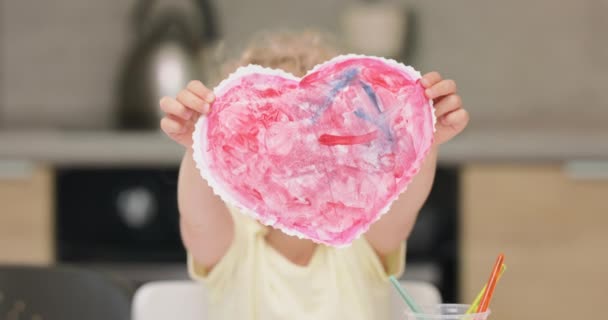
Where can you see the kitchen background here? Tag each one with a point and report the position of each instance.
(87, 179)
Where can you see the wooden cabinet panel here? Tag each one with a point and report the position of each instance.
(26, 220)
(553, 231)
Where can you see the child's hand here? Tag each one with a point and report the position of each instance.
(182, 112)
(451, 117)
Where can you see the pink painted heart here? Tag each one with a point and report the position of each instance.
(321, 157)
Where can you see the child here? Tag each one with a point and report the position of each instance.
(257, 272)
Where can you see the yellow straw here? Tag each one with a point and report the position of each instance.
(475, 303)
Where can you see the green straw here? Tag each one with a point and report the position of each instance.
(475, 303)
(406, 297)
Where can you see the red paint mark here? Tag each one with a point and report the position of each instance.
(331, 140)
(268, 93)
(257, 194)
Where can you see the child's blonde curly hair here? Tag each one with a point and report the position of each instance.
(294, 52)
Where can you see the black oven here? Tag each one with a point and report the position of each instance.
(121, 220)
(125, 221)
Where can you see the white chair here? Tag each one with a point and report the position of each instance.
(185, 300)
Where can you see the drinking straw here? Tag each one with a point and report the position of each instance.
(487, 295)
(475, 303)
(406, 297)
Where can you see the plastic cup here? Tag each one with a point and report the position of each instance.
(446, 312)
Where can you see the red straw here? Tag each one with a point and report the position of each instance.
(487, 296)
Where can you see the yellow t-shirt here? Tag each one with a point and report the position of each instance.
(254, 282)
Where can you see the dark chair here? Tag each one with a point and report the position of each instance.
(62, 293)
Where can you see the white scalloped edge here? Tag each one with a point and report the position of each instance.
(199, 144)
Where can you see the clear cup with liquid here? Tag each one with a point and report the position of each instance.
(446, 312)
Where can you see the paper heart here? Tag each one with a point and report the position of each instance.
(322, 157)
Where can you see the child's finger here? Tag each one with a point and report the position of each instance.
(201, 91)
(430, 79)
(448, 104)
(171, 125)
(457, 120)
(443, 88)
(173, 107)
(192, 101)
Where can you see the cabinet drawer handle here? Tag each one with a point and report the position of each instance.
(16, 169)
(587, 170)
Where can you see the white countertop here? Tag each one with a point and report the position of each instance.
(89, 148)
(153, 149)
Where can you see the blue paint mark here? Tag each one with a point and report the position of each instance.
(344, 81)
(378, 121)
(359, 113)
(371, 94)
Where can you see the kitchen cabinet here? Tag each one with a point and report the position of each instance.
(26, 220)
(552, 229)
